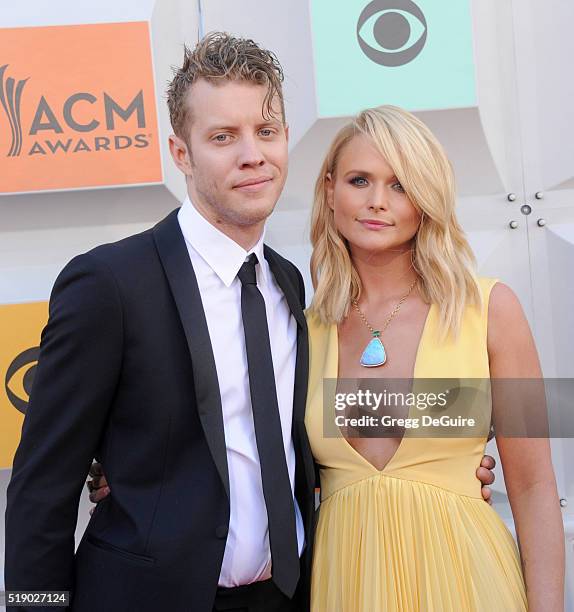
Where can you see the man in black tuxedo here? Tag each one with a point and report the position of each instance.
(157, 360)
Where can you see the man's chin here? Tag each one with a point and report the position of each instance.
(251, 211)
(246, 218)
(254, 217)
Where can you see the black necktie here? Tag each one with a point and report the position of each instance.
(276, 484)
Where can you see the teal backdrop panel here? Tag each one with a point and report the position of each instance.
(417, 54)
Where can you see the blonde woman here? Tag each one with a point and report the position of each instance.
(402, 524)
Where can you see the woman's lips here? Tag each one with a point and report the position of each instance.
(371, 224)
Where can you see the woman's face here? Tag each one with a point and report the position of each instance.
(371, 210)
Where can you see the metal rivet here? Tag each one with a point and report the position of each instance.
(539, 195)
(541, 222)
(513, 224)
(526, 209)
(511, 197)
(563, 503)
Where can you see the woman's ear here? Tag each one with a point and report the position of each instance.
(329, 190)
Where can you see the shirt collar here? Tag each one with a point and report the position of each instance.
(222, 254)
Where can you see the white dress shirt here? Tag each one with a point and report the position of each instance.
(216, 260)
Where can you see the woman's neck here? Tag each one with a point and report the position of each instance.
(385, 276)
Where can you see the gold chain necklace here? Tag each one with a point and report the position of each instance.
(374, 354)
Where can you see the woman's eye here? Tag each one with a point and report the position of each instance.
(360, 181)
(398, 187)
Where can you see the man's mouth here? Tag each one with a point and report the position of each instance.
(254, 184)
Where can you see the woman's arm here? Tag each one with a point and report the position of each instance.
(526, 462)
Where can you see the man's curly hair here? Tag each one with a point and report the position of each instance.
(220, 56)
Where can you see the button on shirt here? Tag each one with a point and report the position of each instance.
(216, 260)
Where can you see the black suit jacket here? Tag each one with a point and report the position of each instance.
(126, 374)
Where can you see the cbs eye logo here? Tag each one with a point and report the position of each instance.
(392, 32)
(19, 378)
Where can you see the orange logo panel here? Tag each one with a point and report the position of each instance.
(77, 107)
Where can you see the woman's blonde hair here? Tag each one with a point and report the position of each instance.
(442, 256)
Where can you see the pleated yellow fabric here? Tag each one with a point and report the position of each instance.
(417, 535)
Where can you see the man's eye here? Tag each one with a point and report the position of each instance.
(220, 138)
(266, 132)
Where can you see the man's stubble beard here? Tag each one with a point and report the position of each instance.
(232, 215)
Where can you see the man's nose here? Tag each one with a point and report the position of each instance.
(250, 154)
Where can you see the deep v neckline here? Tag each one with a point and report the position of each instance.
(424, 333)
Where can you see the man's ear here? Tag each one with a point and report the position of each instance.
(329, 189)
(287, 132)
(180, 154)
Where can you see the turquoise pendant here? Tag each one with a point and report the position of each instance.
(374, 354)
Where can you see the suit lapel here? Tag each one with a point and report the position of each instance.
(289, 286)
(174, 256)
(290, 290)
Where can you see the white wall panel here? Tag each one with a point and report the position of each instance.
(64, 12)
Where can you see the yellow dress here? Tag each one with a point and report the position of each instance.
(417, 535)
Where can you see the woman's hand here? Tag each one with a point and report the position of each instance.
(98, 486)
